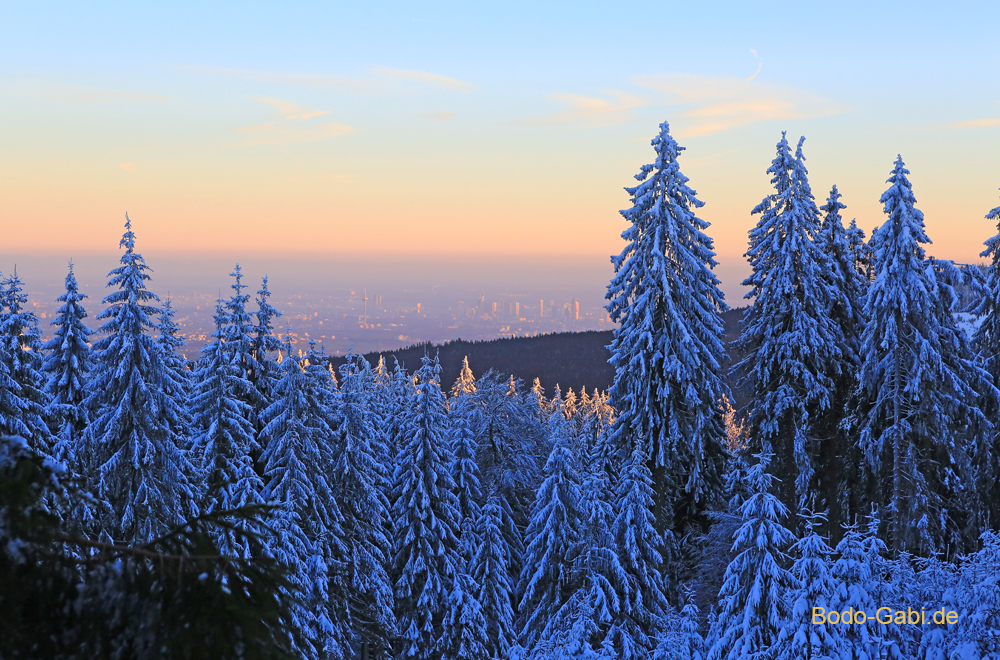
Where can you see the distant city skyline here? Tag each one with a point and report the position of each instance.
(444, 129)
(365, 304)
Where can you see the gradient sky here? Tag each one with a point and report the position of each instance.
(500, 128)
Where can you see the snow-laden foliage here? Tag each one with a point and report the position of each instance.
(794, 350)
(755, 599)
(464, 635)
(176, 383)
(425, 521)
(263, 372)
(988, 340)
(466, 381)
(802, 637)
(839, 475)
(308, 529)
(855, 572)
(22, 383)
(464, 467)
(640, 549)
(490, 570)
(667, 350)
(358, 480)
(920, 383)
(553, 533)
(224, 434)
(68, 365)
(134, 455)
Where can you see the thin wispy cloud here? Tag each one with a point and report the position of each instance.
(439, 116)
(977, 123)
(590, 111)
(291, 111)
(128, 167)
(425, 77)
(718, 103)
(295, 126)
(286, 133)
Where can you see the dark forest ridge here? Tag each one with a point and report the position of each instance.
(569, 359)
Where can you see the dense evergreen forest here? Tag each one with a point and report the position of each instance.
(270, 502)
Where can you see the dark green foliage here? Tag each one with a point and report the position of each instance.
(66, 597)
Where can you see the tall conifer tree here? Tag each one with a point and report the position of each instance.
(755, 593)
(667, 349)
(223, 434)
(920, 384)
(425, 521)
(553, 534)
(357, 482)
(839, 462)
(490, 569)
(263, 375)
(177, 381)
(68, 364)
(988, 338)
(793, 348)
(20, 349)
(134, 457)
(309, 526)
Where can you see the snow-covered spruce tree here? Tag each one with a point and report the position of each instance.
(861, 251)
(683, 641)
(539, 404)
(464, 634)
(263, 374)
(465, 471)
(378, 406)
(601, 587)
(793, 347)
(67, 364)
(177, 377)
(308, 528)
(242, 341)
(20, 350)
(357, 481)
(667, 349)
(464, 468)
(554, 532)
(640, 551)
(977, 634)
(920, 386)
(399, 392)
(135, 459)
(466, 381)
(425, 521)
(988, 339)
(802, 638)
(840, 477)
(854, 574)
(754, 599)
(223, 435)
(512, 444)
(490, 569)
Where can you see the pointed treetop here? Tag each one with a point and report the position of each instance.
(466, 381)
(128, 238)
(994, 214)
(238, 274)
(833, 205)
(901, 189)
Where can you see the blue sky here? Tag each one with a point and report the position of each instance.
(473, 127)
